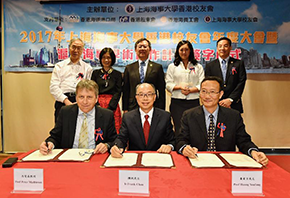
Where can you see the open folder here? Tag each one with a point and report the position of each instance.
(224, 160)
(134, 160)
(79, 155)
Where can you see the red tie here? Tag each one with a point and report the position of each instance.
(146, 128)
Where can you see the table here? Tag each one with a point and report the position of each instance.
(87, 179)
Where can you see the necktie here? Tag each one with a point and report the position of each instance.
(224, 69)
(142, 75)
(210, 135)
(146, 128)
(83, 140)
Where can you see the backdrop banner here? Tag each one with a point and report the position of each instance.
(36, 35)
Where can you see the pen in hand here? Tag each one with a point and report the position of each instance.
(48, 150)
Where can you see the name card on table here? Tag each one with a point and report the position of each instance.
(247, 183)
(28, 180)
(134, 183)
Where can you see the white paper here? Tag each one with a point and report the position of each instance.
(28, 179)
(240, 160)
(133, 182)
(206, 160)
(128, 159)
(37, 156)
(76, 155)
(157, 159)
(247, 182)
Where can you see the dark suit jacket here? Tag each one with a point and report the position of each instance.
(235, 80)
(193, 131)
(161, 131)
(63, 134)
(154, 75)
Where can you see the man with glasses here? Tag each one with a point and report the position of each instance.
(66, 75)
(141, 71)
(212, 127)
(145, 128)
(233, 73)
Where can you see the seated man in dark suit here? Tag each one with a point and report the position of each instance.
(146, 128)
(212, 127)
(84, 124)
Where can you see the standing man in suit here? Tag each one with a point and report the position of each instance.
(146, 128)
(212, 127)
(232, 71)
(66, 75)
(141, 71)
(84, 124)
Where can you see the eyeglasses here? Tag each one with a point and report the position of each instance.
(87, 152)
(79, 48)
(211, 93)
(148, 95)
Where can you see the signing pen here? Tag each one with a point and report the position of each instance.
(48, 150)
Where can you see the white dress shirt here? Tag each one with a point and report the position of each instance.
(178, 75)
(65, 77)
(142, 115)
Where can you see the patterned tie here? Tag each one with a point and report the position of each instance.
(224, 69)
(146, 128)
(210, 135)
(83, 140)
(142, 75)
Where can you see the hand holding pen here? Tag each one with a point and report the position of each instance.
(116, 151)
(46, 147)
(190, 152)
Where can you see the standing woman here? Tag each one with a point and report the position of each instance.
(110, 84)
(183, 80)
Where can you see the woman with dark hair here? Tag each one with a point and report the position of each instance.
(183, 80)
(110, 84)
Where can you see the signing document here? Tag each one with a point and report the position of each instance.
(206, 160)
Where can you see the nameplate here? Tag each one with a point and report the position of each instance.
(134, 183)
(28, 180)
(247, 182)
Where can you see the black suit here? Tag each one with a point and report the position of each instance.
(235, 80)
(63, 134)
(161, 131)
(154, 75)
(193, 131)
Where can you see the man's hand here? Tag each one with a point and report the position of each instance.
(164, 149)
(225, 103)
(116, 152)
(190, 152)
(45, 148)
(67, 102)
(260, 157)
(101, 148)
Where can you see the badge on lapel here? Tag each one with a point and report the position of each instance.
(80, 76)
(99, 134)
(234, 71)
(222, 127)
(192, 69)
